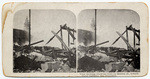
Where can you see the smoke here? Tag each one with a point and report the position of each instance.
(93, 23)
(20, 36)
(86, 37)
(26, 24)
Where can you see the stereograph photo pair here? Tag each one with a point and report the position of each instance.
(75, 39)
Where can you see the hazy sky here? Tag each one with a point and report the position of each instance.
(45, 21)
(108, 22)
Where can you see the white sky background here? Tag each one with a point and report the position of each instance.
(108, 22)
(45, 21)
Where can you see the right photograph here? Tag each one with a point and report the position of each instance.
(108, 40)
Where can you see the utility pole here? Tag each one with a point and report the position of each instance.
(95, 27)
(29, 27)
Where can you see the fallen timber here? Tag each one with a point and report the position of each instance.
(53, 37)
(125, 41)
(65, 52)
(71, 56)
(136, 33)
(131, 53)
(69, 30)
(65, 27)
(118, 38)
(27, 48)
(98, 44)
(93, 47)
(61, 41)
(128, 57)
(37, 42)
(88, 63)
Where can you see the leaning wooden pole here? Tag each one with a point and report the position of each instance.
(95, 27)
(68, 40)
(73, 35)
(29, 27)
(139, 40)
(134, 39)
(127, 36)
(61, 35)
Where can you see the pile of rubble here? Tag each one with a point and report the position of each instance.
(38, 61)
(104, 60)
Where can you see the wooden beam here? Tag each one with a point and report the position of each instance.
(64, 45)
(52, 37)
(119, 37)
(92, 47)
(127, 36)
(37, 42)
(68, 39)
(65, 28)
(73, 35)
(135, 31)
(125, 41)
(70, 33)
(131, 28)
(61, 35)
(139, 40)
(134, 39)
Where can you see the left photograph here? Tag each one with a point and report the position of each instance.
(44, 41)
